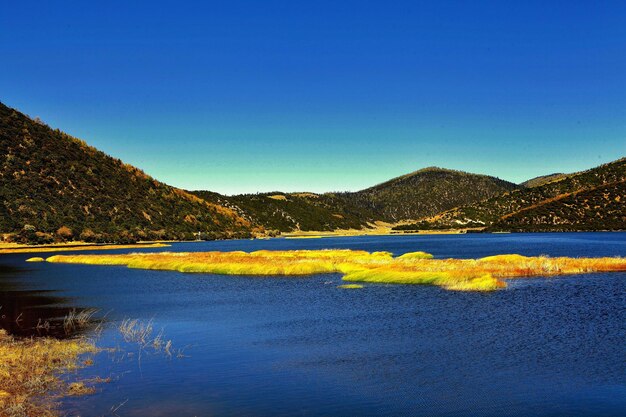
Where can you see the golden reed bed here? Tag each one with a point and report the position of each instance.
(485, 274)
(32, 373)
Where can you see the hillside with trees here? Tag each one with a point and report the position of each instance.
(421, 193)
(494, 210)
(425, 193)
(55, 187)
(286, 212)
(599, 208)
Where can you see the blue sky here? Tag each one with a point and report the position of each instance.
(246, 96)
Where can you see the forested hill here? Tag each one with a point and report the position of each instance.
(287, 212)
(421, 193)
(598, 208)
(426, 192)
(507, 209)
(56, 186)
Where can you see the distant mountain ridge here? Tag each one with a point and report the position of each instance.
(423, 192)
(55, 186)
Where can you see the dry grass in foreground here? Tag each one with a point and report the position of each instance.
(67, 248)
(484, 274)
(30, 374)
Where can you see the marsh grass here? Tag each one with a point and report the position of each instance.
(37, 372)
(35, 259)
(31, 373)
(75, 321)
(140, 333)
(485, 274)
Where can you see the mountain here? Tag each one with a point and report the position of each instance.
(55, 187)
(425, 193)
(522, 202)
(286, 212)
(421, 193)
(52, 183)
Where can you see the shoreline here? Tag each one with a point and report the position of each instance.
(310, 234)
(73, 246)
(11, 248)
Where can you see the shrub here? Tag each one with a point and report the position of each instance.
(88, 235)
(64, 233)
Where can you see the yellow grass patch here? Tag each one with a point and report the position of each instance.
(30, 373)
(277, 197)
(416, 255)
(350, 286)
(484, 274)
(35, 259)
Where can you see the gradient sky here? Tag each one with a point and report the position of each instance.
(245, 96)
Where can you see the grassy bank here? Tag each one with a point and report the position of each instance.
(486, 274)
(31, 374)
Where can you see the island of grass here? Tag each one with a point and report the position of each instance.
(485, 274)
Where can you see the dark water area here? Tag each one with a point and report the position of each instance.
(27, 312)
(264, 346)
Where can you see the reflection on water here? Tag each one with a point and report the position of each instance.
(26, 313)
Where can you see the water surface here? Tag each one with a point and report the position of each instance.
(301, 346)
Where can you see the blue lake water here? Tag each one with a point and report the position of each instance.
(301, 346)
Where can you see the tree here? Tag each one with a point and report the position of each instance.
(28, 234)
(64, 233)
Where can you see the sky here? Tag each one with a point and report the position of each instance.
(253, 96)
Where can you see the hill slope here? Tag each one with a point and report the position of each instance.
(49, 179)
(425, 193)
(543, 179)
(421, 193)
(287, 212)
(599, 208)
(492, 210)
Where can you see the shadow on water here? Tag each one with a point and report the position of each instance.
(25, 312)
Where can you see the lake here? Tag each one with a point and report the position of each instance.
(288, 346)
